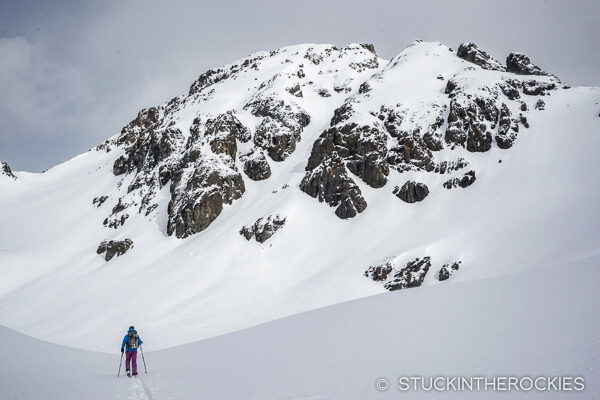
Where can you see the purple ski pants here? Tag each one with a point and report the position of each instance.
(131, 356)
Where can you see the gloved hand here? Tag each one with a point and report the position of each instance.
(122, 351)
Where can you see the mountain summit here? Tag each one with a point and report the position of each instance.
(302, 177)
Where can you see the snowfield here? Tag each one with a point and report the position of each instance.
(523, 324)
(247, 317)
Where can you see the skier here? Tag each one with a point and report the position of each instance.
(131, 342)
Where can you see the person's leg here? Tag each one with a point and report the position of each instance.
(127, 360)
(134, 362)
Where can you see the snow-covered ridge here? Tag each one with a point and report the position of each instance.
(396, 119)
(432, 155)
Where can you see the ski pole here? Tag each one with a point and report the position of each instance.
(120, 362)
(144, 360)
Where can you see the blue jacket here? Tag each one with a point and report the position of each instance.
(126, 339)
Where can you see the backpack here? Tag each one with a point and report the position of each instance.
(133, 340)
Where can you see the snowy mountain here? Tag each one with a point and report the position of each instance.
(298, 178)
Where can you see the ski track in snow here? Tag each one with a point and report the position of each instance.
(139, 391)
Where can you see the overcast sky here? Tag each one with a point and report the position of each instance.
(72, 73)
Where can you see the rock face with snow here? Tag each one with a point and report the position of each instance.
(202, 146)
(465, 181)
(263, 228)
(448, 269)
(395, 277)
(98, 201)
(521, 64)
(5, 170)
(470, 52)
(320, 135)
(113, 248)
(411, 192)
(256, 165)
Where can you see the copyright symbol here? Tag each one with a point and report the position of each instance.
(382, 384)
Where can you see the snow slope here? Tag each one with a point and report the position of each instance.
(522, 324)
(535, 211)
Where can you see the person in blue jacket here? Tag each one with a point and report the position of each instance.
(131, 342)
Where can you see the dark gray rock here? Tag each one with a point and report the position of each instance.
(448, 269)
(329, 182)
(263, 228)
(510, 88)
(98, 201)
(256, 165)
(518, 63)
(295, 90)
(470, 122)
(470, 52)
(541, 105)
(341, 114)
(227, 125)
(5, 170)
(446, 167)
(280, 128)
(364, 88)
(507, 129)
(115, 221)
(369, 47)
(465, 181)
(146, 153)
(114, 248)
(363, 148)
(411, 192)
(198, 195)
(412, 274)
(535, 88)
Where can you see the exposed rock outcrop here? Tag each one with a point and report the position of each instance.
(465, 181)
(5, 170)
(518, 63)
(329, 182)
(541, 105)
(507, 129)
(199, 192)
(471, 123)
(411, 192)
(280, 128)
(263, 228)
(114, 248)
(256, 165)
(98, 201)
(411, 274)
(363, 148)
(448, 269)
(470, 52)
